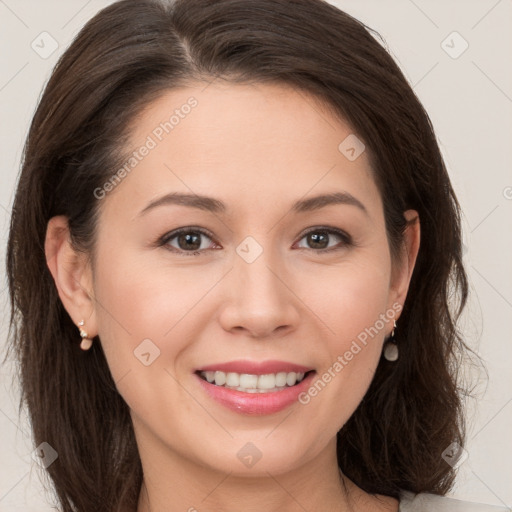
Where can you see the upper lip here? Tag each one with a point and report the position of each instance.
(255, 367)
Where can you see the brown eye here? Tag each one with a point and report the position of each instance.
(319, 239)
(187, 240)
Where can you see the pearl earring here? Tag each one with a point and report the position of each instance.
(390, 347)
(86, 343)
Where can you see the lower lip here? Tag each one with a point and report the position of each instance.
(256, 403)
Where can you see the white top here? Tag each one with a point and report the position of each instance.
(425, 502)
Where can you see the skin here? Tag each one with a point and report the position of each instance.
(258, 148)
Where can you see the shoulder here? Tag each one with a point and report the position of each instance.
(424, 502)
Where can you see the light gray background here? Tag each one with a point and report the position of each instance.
(469, 99)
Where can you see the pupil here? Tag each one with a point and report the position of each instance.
(315, 239)
(189, 238)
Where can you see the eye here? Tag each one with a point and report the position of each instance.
(318, 238)
(188, 240)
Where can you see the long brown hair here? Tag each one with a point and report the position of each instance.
(125, 57)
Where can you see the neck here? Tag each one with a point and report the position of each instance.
(175, 484)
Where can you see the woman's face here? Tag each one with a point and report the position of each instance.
(255, 288)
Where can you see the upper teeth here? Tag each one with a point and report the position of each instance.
(248, 381)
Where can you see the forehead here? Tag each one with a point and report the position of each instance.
(245, 143)
(241, 118)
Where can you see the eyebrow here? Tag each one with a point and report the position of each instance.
(213, 205)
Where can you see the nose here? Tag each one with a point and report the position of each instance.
(260, 299)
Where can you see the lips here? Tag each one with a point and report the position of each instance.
(247, 403)
(254, 387)
(255, 367)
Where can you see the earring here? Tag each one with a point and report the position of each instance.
(86, 343)
(390, 347)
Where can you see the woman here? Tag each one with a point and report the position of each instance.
(232, 250)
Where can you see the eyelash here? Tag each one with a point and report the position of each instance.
(164, 240)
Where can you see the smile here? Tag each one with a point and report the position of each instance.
(254, 394)
(250, 383)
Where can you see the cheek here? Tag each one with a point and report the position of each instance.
(348, 298)
(350, 306)
(141, 299)
(144, 296)
(142, 320)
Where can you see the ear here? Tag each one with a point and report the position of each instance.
(72, 274)
(402, 273)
